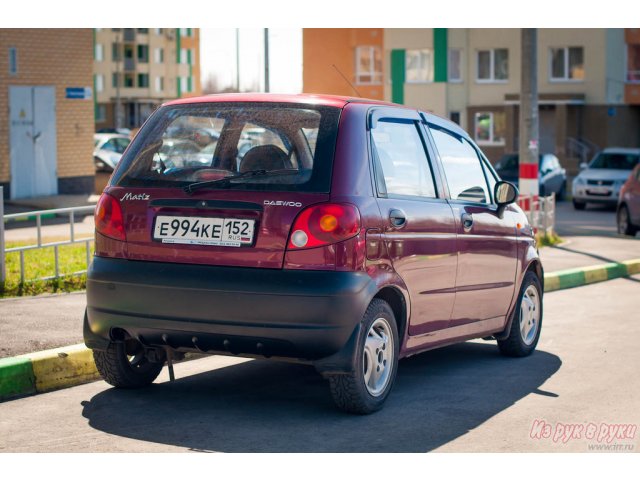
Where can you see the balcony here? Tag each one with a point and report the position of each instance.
(129, 34)
(129, 65)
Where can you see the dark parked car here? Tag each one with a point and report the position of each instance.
(552, 177)
(629, 204)
(392, 235)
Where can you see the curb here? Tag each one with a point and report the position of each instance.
(44, 371)
(576, 277)
(63, 367)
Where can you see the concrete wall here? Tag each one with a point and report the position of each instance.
(60, 58)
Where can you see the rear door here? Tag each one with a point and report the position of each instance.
(420, 229)
(487, 248)
(240, 222)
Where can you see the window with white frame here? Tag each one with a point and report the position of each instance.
(419, 66)
(99, 52)
(158, 31)
(454, 65)
(492, 65)
(99, 83)
(566, 64)
(183, 55)
(368, 65)
(490, 128)
(158, 55)
(159, 84)
(184, 84)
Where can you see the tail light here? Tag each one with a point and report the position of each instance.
(108, 217)
(324, 224)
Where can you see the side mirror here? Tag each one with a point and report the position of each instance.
(504, 193)
(583, 165)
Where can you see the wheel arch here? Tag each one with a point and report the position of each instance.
(396, 300)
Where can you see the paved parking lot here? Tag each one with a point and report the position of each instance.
(462, 398)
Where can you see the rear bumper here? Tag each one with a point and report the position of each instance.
(283, 313)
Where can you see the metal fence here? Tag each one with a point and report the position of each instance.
(541, 212)
(38, 215)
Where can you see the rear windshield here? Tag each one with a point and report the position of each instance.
(267, 146)
(616, 161)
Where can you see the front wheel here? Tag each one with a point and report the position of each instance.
(527, 322)
(625, 227)
(376, 362)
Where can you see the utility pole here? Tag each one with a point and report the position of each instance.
(238, 59)
(266, 60)
(118, 111)
(528, 143)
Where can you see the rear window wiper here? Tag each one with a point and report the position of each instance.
(192, 187)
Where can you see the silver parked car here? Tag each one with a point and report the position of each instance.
(601, 180)
(108, 149)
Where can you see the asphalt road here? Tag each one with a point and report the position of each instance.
(461, 398)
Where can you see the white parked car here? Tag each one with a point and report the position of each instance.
(108, 149)
(600, 181)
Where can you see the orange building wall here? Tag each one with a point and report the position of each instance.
(193, 42)
(325, 47)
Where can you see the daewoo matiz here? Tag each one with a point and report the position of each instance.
(349, 234)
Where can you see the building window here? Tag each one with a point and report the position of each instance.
(114, 80)
(99, 52)
(13, 61)
(143, 53)
(129, 80)
(116, 52)
(493, 65)
(159, 55)
(419, 66)
(99, 83)
(158, 31)
(143, 80)
(455, 65)
(633, 63)
(490, 128)
(143, 31)
(455, 117)
(368, 65)
(183, 84)
(159, 84)
(183, 55)
(566, 64)
(101, 113)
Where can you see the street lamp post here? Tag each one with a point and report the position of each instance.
(529, 135)
(266, 60)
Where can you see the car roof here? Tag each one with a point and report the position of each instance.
(634, 151)
(305, 98)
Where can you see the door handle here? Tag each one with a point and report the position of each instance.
(467, 221)
(397, 218)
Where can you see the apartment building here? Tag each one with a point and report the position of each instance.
(588, 82)
(141, 68)
(46, 130)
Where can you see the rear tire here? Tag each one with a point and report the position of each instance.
(625, 227)
(579, 205)
(126, 371)
(522, 341)
(376, 363)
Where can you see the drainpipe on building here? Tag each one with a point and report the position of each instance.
(528, 143)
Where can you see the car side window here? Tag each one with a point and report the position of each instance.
(401, 156)
(462, 167)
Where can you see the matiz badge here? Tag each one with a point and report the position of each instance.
(130, 196)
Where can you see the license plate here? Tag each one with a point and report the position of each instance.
(598, 190)
(226, 232)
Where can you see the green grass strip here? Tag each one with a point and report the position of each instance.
(16, 377)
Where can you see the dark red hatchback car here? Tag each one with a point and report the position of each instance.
(344, 233)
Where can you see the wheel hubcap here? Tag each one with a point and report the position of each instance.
(529, 314)
(377, 358)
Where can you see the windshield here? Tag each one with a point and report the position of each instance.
(186, 144)
(615, 161)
